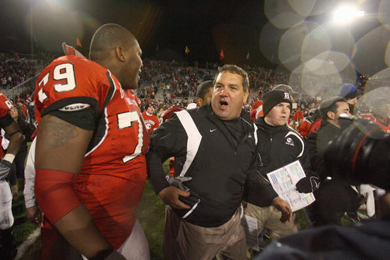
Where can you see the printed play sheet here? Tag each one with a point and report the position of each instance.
(283, 181)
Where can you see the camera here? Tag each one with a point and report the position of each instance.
(360, 154)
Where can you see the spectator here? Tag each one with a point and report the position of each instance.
(150, 119)
(304, 127)
(350, 93)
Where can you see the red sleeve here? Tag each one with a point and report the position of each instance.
(71, 83)
(5, 105)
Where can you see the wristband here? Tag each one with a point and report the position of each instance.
(9, 157)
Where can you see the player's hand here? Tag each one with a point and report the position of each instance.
(34, 215)
(170, 196)
(5, 168)
(284, 208)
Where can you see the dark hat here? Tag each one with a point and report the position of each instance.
(274, 97)
(348, 91)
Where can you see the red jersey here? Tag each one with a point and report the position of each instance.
(113, 174)
(5, 105)
(151, 121)
(385, 126)
(256, 113)
(315, 125)
(298, 115)
(304, 127)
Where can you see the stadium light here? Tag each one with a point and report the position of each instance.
(345, 14)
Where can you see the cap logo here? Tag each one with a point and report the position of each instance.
(286, 96)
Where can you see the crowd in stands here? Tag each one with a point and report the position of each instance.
(167, 83)
(15, 71)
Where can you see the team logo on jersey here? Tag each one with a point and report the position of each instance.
(289, 141)
(131, 102)
(75, 107)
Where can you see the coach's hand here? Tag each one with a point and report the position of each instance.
(284, 208)
(170, 196)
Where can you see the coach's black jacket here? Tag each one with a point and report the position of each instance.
(219, 168)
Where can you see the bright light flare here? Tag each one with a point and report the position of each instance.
(346, 14)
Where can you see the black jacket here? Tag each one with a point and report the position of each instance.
(317, 142)
(219, 168)
(279, 146)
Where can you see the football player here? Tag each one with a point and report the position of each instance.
(89, 160)
(11, 128)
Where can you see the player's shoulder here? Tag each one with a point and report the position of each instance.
(3, 97)
(5, 105)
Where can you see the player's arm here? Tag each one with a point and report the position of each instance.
(16, 139)
(60, 151)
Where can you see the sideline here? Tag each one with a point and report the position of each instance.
(28, 242)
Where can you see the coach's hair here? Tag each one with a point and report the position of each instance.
(236, 70)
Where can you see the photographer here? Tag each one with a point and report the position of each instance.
(359, 155)
(333, 198)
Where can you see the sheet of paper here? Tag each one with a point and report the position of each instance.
(250, 226)
(284, 179)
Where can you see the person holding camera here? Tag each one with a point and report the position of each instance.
(333, 198)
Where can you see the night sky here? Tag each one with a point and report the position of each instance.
(164, 28)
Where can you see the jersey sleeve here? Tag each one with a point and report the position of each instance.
(5, 105)
(5, 108)
(72, 85)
